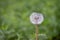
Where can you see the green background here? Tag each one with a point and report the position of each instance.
(15, 19)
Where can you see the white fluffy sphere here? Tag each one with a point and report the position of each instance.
(36, 18)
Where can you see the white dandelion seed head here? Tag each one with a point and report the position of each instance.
(36, 18)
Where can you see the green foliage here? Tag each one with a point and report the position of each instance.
(15, 23)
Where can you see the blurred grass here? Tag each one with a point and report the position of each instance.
(15, 23)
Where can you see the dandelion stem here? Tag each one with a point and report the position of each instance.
(36, 32)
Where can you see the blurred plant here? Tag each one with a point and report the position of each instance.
(15, 23)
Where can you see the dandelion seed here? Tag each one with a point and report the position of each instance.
(36, 18)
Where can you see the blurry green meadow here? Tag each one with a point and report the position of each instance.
(15, 19)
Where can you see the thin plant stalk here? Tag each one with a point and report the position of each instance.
(36, 32)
